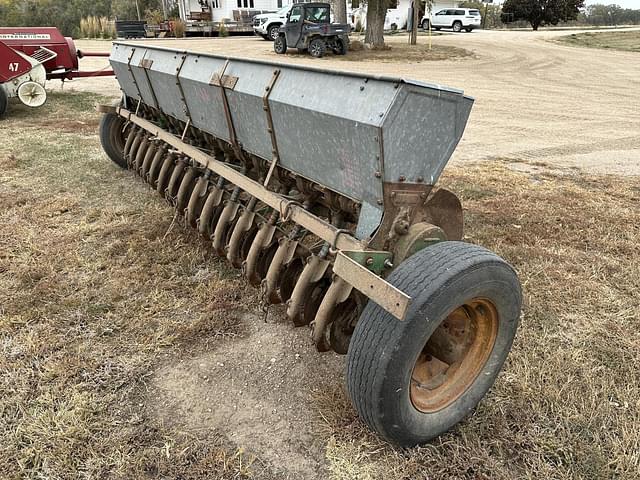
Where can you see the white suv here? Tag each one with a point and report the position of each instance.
(267, 24)
(454, 18)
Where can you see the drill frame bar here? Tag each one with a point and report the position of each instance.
(368, 283)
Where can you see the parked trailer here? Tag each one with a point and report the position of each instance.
(131, 29)
(29, 56)
(321, 185)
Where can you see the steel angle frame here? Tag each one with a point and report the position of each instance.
(371, 285)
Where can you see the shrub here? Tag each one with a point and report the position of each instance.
(179, 28)
(224, 31)
(97, 27)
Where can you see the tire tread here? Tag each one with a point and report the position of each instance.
(378, 328)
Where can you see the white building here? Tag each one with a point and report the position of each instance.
(219, 10)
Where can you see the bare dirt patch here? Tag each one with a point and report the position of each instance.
(403, 53)
(249, 390)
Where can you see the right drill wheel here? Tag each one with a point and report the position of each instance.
(413, 380)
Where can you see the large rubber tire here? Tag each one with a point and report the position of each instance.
(4, 102)
(342, 47)
(383, 350)
(112, 138)
(457, 26)
(280, 45)
(425, 24)
(273, 32)
(317, 47)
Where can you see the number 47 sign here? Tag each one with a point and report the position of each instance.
(13, 67)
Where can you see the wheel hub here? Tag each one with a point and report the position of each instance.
(454, 355)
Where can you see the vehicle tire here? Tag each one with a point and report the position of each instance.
(112, 138)
(280, 45)
(468, 30)
(342, 47)
(4, 102)
(457, 26)
(317, 47)
(464, 314)
(273, 32)
(425, 24)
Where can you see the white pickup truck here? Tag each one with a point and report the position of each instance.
(267, 25)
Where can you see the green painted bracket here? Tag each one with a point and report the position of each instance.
(371, 259)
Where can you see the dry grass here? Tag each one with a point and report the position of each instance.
(628, 41)
(94, 292)
(97, 291)
(567, 404)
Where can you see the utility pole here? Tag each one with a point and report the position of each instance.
(428, 5)
(164, 9)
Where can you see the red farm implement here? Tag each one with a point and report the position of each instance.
(29, 56)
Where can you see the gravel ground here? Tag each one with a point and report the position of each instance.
(538, 102)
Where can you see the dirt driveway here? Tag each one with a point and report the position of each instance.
(536, 101)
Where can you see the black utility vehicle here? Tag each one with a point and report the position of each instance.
(309, 27)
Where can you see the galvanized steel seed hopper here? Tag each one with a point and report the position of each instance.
(320, 185)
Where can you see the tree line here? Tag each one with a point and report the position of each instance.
(67, 14)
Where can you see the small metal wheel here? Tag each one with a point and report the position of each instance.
(457, 27)
(273, 32)
(280, 45)
(32, 94)
(413, 380)
(317, 47)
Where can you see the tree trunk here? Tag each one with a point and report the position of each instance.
(340, 11)
(376, 11)
(536, 22)
(413, 37)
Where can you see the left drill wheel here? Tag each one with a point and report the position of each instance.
(112, 138)
(4, 102)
